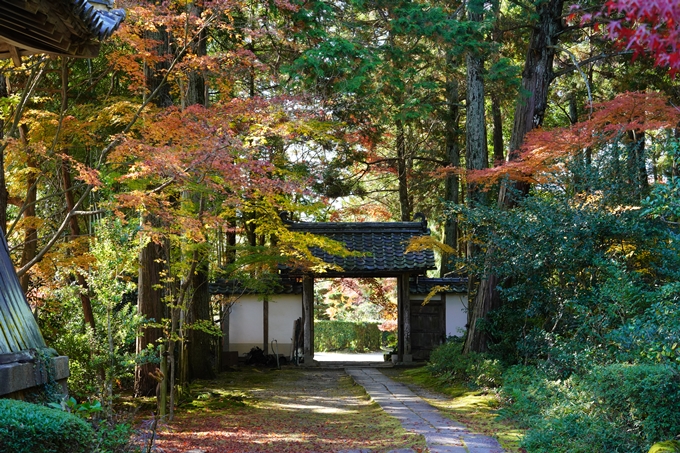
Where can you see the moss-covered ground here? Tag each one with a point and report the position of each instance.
(476, 409)
(288, 410)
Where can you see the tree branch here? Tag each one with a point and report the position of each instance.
(21, 271)
(576, 66)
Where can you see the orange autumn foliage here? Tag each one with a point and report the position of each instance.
(545, 151)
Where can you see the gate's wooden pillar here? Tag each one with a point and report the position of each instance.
(407, 317)
(265, 325)
(404, 323)
(308, 309)
(400, 322)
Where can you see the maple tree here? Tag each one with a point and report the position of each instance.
(544, 152)
(646, 27)
(200, 123)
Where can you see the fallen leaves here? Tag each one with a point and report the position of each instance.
(292, 410)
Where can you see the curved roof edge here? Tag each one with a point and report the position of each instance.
(73, 28)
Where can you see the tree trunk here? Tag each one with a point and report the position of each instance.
(196, 88)
(453, 153)
(154, 73)
(149, 297)
(402, 173)
(498, 143)
(637, 168)
(529, 113)
(74, 228)
(201, 353)
(149, 305)
(476, 147)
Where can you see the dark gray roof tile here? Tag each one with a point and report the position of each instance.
(423, 285)
(58, 27)
(383, 246)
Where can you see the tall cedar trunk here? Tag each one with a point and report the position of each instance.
(149, 304)
(498, 144)
(149, 297)
(402, 173)
(476, 147)
(497, 140)
(200, 348)
(200, 345)
(30, 232)
(529, 113)
(196, 89)
(453, 153)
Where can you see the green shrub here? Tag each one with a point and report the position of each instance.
(642, 399)
(30, 428)
(114, 436)
(526, 392)
(619, 407)
(477, 370)
(343, 335)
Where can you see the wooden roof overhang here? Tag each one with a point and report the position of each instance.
(382, 247)
(58, 27)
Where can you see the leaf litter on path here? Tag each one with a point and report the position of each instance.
(289, 410)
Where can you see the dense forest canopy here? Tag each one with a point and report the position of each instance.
(541, 140)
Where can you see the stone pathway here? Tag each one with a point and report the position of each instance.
(442, 434)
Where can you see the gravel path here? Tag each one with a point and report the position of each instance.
(442, 434)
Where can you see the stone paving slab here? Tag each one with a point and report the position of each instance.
(442, 435)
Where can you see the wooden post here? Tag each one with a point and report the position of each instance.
(442, 319)
(400, 321)
(163, 393)
(406, 314)
(308, 306)
(226, 311)
(265, 325)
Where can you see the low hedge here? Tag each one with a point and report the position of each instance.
(345, 335)
(31, 428)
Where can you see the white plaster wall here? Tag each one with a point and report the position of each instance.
(246, 323)
(283, 311)
(456, 314)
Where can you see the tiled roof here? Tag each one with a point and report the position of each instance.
(236, 287)
(383, 245)
(18, 328)
(423, 285)
(57, 27)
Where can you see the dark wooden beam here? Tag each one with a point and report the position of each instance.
(14, 54)
(405, 296)
(265, 325)
(308, 306)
